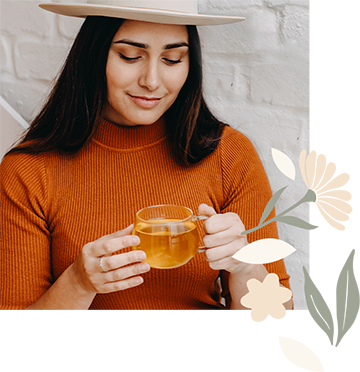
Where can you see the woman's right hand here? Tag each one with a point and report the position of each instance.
(115, 273)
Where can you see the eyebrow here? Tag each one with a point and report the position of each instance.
(146, 46)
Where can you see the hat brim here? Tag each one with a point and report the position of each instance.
(139, 14)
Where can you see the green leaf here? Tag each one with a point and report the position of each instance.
(294, 221)
(271, 204)
(316, 226)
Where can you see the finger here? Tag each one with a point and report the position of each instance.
(223, 237)
(206, 210)
(227, 263)
(90, 246)
(118, 234)
(218, 253)
(222, 222)
(112, 244)
(122, 259)
(122, 285)
(126, 272)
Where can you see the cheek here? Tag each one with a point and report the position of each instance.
(117, 77)
(114, 81)
(111, 81)
(175, 81)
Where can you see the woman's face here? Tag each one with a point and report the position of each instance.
(147, 65)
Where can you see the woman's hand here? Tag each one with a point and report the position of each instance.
(223, 239)
(115, 273)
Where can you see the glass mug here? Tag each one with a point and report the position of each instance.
(168, 235)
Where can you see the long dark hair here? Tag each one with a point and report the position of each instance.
(75, 105)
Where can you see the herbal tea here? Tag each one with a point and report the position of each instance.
(167, 244)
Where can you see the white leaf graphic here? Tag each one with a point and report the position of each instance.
(284, 163)
(264, 251)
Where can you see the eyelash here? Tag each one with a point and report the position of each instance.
(169, 61)
(128, 59)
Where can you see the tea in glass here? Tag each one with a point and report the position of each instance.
(168, 235)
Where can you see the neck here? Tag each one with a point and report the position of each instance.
(117, 136)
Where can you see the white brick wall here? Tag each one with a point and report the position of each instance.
(256, 79)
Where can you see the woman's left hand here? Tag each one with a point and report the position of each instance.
(223, 239)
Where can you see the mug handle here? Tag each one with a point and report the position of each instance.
(199, 218)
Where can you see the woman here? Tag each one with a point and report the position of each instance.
(125, 127)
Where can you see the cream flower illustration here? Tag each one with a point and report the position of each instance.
(332, 170)
(267, 311)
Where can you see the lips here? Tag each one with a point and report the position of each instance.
(145, 102)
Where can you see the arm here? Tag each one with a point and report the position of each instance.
(55, 319)
(76, 288)
(25, 264)
(57, 323)
(223, 239)
(246, 192)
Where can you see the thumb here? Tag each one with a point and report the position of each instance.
(206, 210)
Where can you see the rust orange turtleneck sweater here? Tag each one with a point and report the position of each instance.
(52, 205)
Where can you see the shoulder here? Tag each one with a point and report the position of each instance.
(21, 164)
(23, 174)
(237, 148)
(231, 134)
(240, 163)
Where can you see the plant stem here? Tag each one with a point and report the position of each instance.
(310, 196)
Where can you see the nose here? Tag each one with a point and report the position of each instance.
(150, 76)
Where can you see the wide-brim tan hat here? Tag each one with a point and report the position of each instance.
(180, 12)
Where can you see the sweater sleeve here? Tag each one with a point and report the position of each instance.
(246, 191)
(25, 238)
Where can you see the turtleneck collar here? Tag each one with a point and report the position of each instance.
(125, 137)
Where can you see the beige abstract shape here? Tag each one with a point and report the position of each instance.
(264, 251)
(266, 298)
(284, 163)
(332, 171)
(291, 348)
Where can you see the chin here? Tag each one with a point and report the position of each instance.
(144, 121)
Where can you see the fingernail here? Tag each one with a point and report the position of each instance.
(134, 240)
(141, 255)
(144, 267)
(138, 280)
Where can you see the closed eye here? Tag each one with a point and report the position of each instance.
(171, 61)
(133, 59)
(129, 58)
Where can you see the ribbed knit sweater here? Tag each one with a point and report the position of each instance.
(53, 204)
